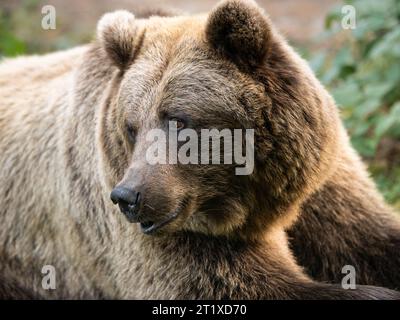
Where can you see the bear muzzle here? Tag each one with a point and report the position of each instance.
(130, 203)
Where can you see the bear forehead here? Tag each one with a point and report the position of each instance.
(184, 76)
(198, 88)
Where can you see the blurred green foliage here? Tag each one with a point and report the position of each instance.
(361, 68)
(10, 45)
(21, 31)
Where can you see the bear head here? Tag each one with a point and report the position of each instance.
(227, 70)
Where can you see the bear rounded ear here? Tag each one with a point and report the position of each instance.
(240, 30)
(117, 33)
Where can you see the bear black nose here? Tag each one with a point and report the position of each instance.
(128, 201)
(126, 196)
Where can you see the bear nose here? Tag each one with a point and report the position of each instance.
(121, 194)
(128, 201)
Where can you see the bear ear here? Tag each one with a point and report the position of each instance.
(117, 33)
(240, 30)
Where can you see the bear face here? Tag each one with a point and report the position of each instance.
(228, 70)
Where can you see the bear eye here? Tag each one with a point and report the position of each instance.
(180, 124)
(131, 132)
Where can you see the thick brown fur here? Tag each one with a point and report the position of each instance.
(73, 126)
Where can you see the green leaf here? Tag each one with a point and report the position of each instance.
(366, 108)
(388, 45)
(392, 119)
(377, 91)
(348, 94)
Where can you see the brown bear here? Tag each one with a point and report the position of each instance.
(73, 129)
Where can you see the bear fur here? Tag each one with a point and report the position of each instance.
(72, 127)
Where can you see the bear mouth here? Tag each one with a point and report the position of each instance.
(150, 227)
